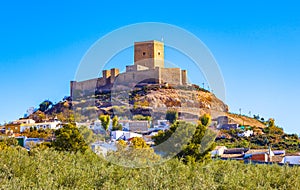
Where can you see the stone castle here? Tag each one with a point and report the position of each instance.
(148, 68)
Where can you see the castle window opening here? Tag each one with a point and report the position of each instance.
(144, 53)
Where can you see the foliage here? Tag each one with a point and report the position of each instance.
(172, 115)
(205, 120)
(87, 134)
(48, 169)
(45, 105)
(68, 138)
(105, 120)
(196, 140)
(7, 142)
(142, 118)
(136, 154)
(41, 133)
(115, 124)
(138, 143)
(115, 121)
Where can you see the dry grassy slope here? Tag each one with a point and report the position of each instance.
(243, 120)
(207, 102)
(185, 99)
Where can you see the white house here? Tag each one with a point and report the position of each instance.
(103, 147)
(125, 135)
(43, 125)
(291, 160)
(247, 133)
(218, 151)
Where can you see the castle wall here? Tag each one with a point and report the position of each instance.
(138, 76)
(184, 77)
(114, 73)
(131, 68)
(148, 68)
(171, 76)
(106, 73)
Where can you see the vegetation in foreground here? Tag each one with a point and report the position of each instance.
(50, 169)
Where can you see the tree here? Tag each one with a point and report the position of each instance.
(115, 121)
(138, 142)
(88, 134)
(142, 118)
(68, 138)
(105, 120)
(200, 140)
(172, 116)
(45, 105)
(205, 120)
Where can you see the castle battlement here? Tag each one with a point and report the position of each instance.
(148, 68)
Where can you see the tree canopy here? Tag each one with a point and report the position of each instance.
(172, 115)
(69, 138)
(198, 143)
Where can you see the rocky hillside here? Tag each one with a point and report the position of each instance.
(151, 100)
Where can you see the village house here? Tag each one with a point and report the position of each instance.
(293, 160)
(123, 135)
(218, 151)
(43, 125)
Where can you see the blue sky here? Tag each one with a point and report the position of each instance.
(256, 45)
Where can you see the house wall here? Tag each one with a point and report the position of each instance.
(260, 157)
(138, 126)
(15, 128)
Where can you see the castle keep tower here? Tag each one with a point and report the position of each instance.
(149, 54)
(148, 68)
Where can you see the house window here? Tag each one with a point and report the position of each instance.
(158, 53)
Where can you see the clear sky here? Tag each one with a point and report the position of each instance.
(256, 44)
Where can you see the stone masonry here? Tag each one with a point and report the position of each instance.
(148, 68)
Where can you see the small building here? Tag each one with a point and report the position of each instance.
(247, 133)
(12, 128)
(218, 151)
(29, 142)
(294, 160)
(138, 126)
(222, 120)
(236, 150)
(260, 155)
(124, 135)
(229, 126)
(44, 125)
(103, 147)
